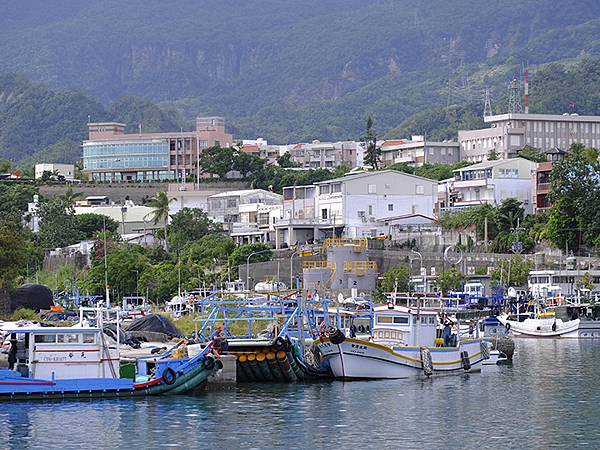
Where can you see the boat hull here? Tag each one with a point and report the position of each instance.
(356, 359)
(544, 328)
(13, 387)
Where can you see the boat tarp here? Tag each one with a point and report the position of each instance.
(155, 323)
(32, 296)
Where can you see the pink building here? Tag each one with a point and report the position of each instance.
(111, 155)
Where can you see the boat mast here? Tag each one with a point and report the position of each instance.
(105, 265)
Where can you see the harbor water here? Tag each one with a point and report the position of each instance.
(548, 398)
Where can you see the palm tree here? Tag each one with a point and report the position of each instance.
(160, 211)
(69, 197)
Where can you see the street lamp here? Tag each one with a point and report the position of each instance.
(292, 268)
(248, 265)
(420, 266)
(137, 281)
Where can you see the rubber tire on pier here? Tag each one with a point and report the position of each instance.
(485, 350)
(209, 362)
(169, 376)
(336, 336)
(279, 343)
(466, 362)
(426, 362)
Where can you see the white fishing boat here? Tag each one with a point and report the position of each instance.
(544, 324)
(402, 345)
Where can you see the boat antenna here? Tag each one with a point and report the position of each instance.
(105, 265)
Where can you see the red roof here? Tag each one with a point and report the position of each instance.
(398, 142)
(249, 148)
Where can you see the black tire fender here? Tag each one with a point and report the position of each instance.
(209, 363)
(169, 376)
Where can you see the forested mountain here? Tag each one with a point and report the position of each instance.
(287, 71)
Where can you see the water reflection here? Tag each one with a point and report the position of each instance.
(546, 400)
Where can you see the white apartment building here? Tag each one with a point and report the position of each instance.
(508, 133)
(326, 155)
(64, 170)
(489, 182)
(249, 215)
(357, 205)
(417, 151)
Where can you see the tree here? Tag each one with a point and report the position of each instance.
(513, 271)
(124, 263)
(13, 254)
(209, 249)
(217, 161)
(240, 255)
(90, 224)
(532, 154)
(284, 161)
(450, 280)
(574, 218)
(492, 155)
(247, 164)
(396, 278)
(189, 225)
(69, 197)
(372, 151)
(160, 212)
(58, 225)
(5, 165)
(586, 282)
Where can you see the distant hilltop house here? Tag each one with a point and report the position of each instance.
(111, 155)
(64, 171)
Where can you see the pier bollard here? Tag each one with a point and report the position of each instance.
(244, 369)
(253, 366)
(274, 367)
(263, 367)
(285, 366)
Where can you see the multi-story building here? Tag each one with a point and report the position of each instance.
(489, 182)
(508, 133)
(356, 205)
(248, 215)
(540, 189)
(111, 155)
(326, 155)
(417, 151)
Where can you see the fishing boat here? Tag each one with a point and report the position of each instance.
(402, 345)
(62, 362)
(540, 324)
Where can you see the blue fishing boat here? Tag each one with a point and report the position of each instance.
(78, 362)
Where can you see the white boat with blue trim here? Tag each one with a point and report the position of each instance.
(402, 345)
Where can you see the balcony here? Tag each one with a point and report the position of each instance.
(542, 188)
(318, 265)
(360, 267)
(480, 182)
(309, 221)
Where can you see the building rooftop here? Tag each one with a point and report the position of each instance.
(548, 117)
(242, 192)
(354, 176)
(489, 164)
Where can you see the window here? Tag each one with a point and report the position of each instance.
(325, 189)
(89, 338)
(401, 320)
(370, 210)
(390, 207)
(372, 189)
(324, 214)
(45, 338)
(337, 187)
(385, 319)
(70, 338)
(431, 320)
(420, 189)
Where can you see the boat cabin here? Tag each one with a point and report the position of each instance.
(56, 353)
(399, 325)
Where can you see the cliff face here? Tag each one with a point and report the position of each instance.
(295, 63)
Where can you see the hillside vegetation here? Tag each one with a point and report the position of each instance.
(287, 71)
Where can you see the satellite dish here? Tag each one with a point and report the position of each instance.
(453, 255)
